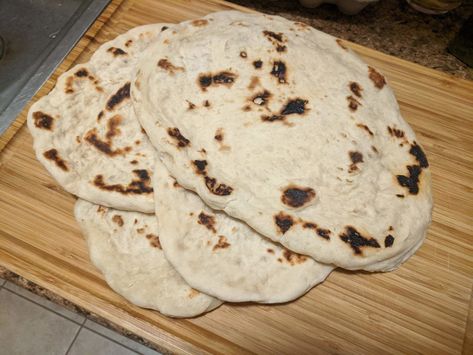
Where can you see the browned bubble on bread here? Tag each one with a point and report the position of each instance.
(294, 106)
(43, 120)
(181, 141)
(52, 154)
(366, 128)
(277, 39)
(388, 241)
(294, 258)
(283, 222)
(200, 166)
(81, 73)
(357, 241)
(353, 103)
(154, 241)
(261, 98)
(208, 221)
(279, 71)
(221, 244)
(356, 158)
(219, 135)
(378, 80)
(190, 105)
(118, 220)
(225, 78)
(121, 95)
(168, 66)
(105, 145)
(216, 188)
(296, 196)
(321, 232)
(419, 154)
(355, 88)
(412, 179)
(395, 132)
(116, 51)
(258, 64)
(138, 186)
(212, 185)
(324, 233)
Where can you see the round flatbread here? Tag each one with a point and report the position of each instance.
(222, 256)
(85, 131)
(125, 247)
(282, 126)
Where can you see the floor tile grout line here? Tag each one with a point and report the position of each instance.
(113, 340)
(82, 324)
(73, 340)
(46, 308)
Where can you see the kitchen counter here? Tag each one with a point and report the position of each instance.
(389, 26)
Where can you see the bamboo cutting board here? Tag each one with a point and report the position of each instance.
(425, 306)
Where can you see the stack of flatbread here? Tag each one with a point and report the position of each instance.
(233, 158)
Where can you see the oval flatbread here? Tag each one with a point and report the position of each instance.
(86, 133)
(222, 256)
(125, 247)
(283, 127)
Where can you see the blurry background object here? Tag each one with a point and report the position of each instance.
(462, 45)
(348, 7)
(36, 36)
(434, 7)
(390, 26)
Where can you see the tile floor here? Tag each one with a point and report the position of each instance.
(30, 324)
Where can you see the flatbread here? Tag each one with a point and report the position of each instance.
(283, 127)
(222, 256)
(85, 131)
(125, 247)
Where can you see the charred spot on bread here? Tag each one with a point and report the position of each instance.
(295, 196)
(43, 120)
(207, 221)
(378, 80)
(140, 185)
(283, 221)
(279, 71)
(121, 95)
(357, 241)
(53, 154)
(178, 137)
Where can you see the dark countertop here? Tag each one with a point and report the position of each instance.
(389, 26)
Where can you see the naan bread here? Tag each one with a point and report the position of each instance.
(125, 247)
(223, 257)
(85, 131)
(283, 127)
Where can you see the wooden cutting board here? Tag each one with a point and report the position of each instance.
(425, 306)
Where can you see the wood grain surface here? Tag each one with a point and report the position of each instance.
(424, 307)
